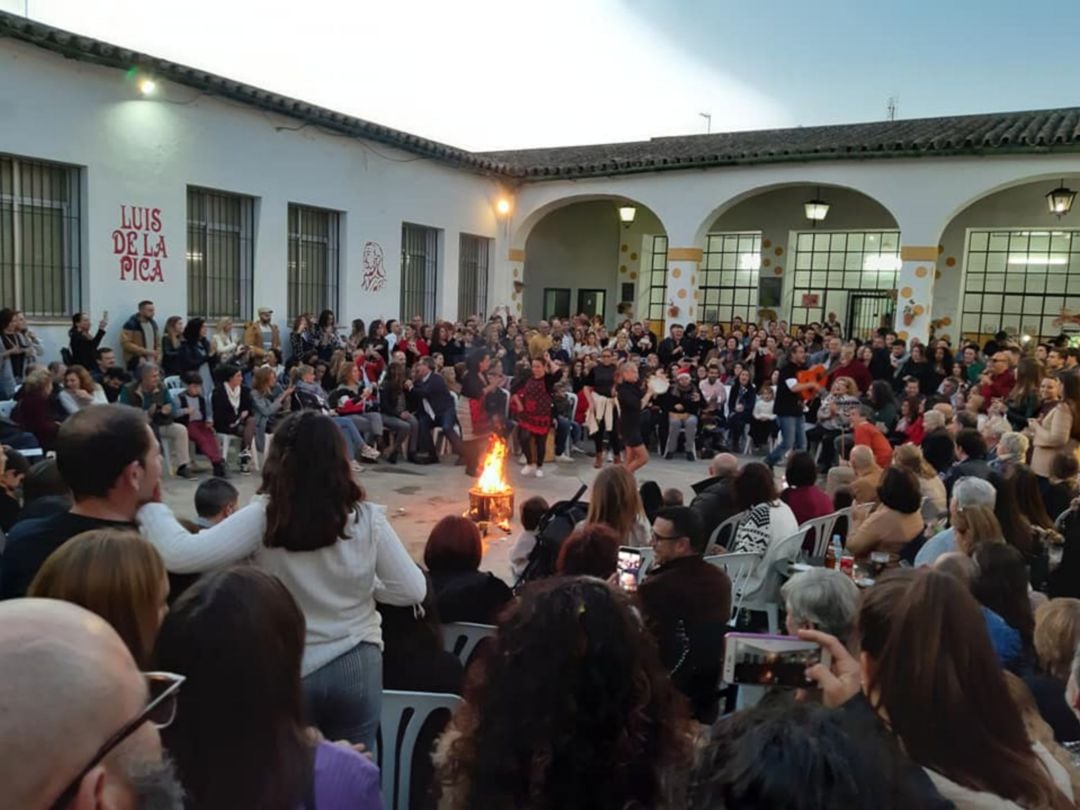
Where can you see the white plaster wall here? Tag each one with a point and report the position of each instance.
(137, 151)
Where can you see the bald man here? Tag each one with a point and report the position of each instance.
(714, 497)
(867, 474)
(67, 684)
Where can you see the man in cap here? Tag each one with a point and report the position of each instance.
(262, 335)
(683, 404)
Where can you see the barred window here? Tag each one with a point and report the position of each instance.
(473, 259)
(314, 255)
(220, 254)
(419, 271)
(40, 237)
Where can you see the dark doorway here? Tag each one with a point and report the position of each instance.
(556, 302)
(591, 302)
(867, 312)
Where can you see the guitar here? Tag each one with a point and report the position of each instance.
(815, 374)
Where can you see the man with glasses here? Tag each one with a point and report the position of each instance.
(686, 604)
(78, 721)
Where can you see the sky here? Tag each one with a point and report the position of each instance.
(502, 74)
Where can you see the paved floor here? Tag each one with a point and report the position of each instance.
(416, 497)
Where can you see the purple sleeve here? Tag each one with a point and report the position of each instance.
(345, 780)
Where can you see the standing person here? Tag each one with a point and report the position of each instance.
(262, 336)
(600, 418)
(139, 338)
(196, 353)
(311, 527)
(57, 662)
(14, 356)
(472, 414)
(1023, 401)
(238, 638)
(171, 340)
(234, 413)
(109, 459)
(193, 412)
(532, 398)
(1051, 430)
(82, 345)
(789, 405)
(325, 336)
(300, 340)
(998, 381)
(147, 392)
(631, 400)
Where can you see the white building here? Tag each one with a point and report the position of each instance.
(213, 198)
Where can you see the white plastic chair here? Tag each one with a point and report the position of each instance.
(6, 407)
(173, 382)
(766, 596)
(823, 529)
(462, 638)
(738, 567)
(732, 524)
(402, 718)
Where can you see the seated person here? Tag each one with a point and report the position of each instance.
(968, 493)
(682, 403)
(193, 412)
(463, 593)
(44, 491)
(821, 599)
(234, 413)
(802, 494)
(529, 513)
(591, 550)
(215, 500)
(865, 434)
(13, 469)
(672, 497)
(896, 521)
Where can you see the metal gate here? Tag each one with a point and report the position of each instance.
(867, 312)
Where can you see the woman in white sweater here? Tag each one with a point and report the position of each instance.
(337, 555)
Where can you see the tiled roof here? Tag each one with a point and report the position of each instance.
(1036, 131)
(1032, 132)
(86, 49)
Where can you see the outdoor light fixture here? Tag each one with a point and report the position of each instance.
(816, 209)
(627, 214)
(1060, 200)
(502, 207)
(147, 86)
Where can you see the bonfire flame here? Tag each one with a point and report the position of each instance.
(493, 477)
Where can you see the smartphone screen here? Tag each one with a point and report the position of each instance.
(762, 660)
(629, 568)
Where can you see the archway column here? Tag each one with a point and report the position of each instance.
(915, 290)
(682, 285)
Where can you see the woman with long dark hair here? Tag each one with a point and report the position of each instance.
(194, 352)
(238, 638)
(82, 344)
(1001, 584)
(473, 418)
(324, 335)
(1018, 530)
(311, 527)
(883, 400)
(928, 670)
(573, 710)
(1023, 401)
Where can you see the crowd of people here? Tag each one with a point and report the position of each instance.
(216, 660)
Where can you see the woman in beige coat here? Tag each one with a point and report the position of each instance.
(1052, 431)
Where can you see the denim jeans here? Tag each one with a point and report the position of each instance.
(343, 699)
(353, 440)
(566, 429)
(792, 435)
(406, 431)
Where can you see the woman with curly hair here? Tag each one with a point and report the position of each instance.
(572, 711)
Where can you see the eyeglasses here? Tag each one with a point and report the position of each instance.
(160, 710)
(656, 538)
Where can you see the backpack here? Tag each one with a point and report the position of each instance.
(555, 526)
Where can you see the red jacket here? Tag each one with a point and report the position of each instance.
(999, 387)
(857, 371)
(34, 414)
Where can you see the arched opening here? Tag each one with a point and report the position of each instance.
(764, 259)
(583, 258)
(1008, 264)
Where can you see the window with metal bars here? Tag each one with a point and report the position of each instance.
(1024, 282)
(728, 277)
(657, 280)
(474, 257)
(40, 237)
(314, 252)
(419, 271)
(220, 254)
(831, 266)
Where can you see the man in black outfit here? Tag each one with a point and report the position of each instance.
(686, 604)
(714, 497)
(790, 414)
(673, 348)
(111, 462)
(429, 386)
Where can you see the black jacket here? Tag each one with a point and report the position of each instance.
(225, 416)
(434, 390)
(469, 596)
(714, 501)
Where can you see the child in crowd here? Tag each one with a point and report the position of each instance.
(530, 513)
(673, 497)
(215, 500)
(764, 425)
(195, 414)
(14, 469)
